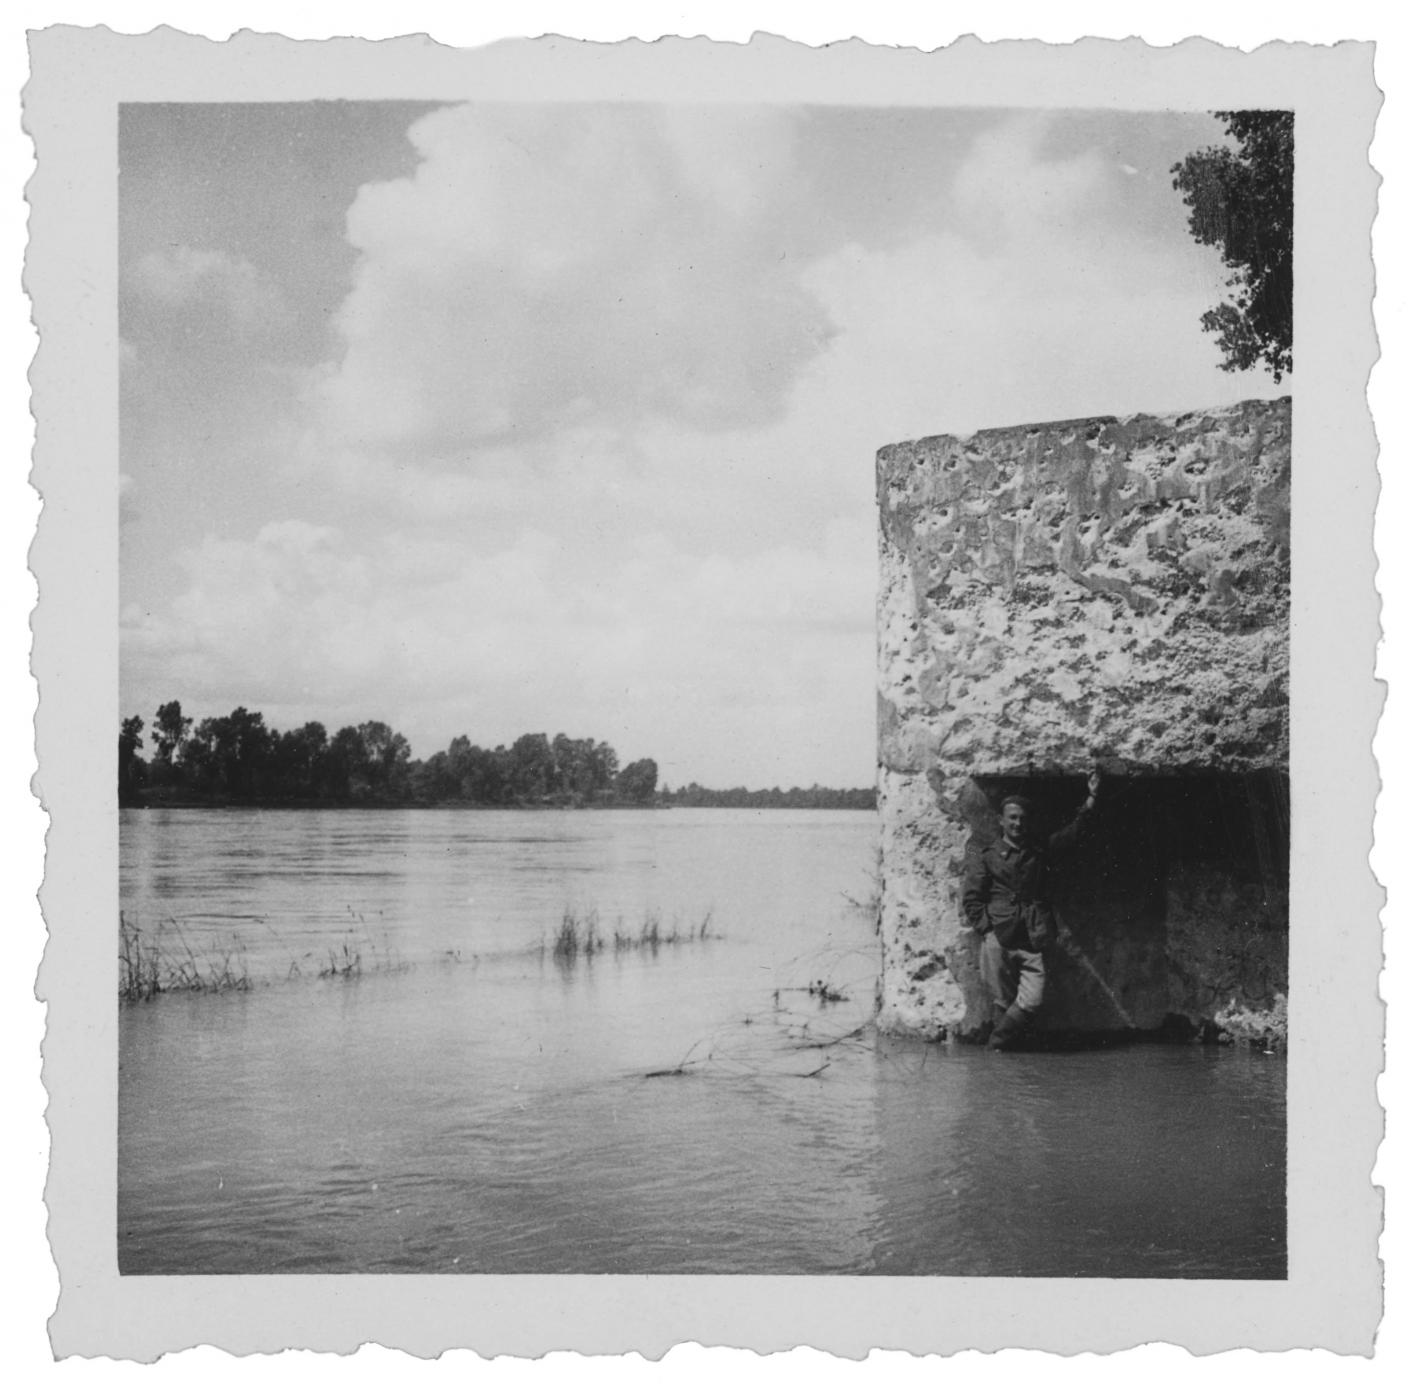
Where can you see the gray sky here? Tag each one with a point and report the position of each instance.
(492, 419)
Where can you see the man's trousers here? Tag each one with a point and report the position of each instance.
(1013, 976)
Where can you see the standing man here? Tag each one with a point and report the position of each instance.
(1006, 898)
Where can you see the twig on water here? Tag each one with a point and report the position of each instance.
(679, 1068)
(821, 990)
(828, 1044)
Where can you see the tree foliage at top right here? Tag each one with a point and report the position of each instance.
(1240, 202)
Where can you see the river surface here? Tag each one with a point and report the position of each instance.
(415, 1082)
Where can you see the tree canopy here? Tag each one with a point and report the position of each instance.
(131, 769)
(1240, 202)
(236, 758)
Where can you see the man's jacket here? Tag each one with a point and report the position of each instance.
(1005, 888)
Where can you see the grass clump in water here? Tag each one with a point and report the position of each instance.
(147, 966)
(343, 962)
(150, 963)
(577, 937)
(346, 962)
(581, 935)
(139, 965)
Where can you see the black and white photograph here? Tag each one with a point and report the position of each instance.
(711, 689)
(503, 885)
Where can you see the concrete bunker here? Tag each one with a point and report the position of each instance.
(1107, 593)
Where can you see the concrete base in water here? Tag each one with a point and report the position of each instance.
(1110, 593)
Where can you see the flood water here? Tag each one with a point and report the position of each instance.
(450, 1096)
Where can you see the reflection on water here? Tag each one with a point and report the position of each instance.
(1163, 1161)
(472, 1104)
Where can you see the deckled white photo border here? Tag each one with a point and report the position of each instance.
(1331, 1299)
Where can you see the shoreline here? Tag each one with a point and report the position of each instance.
(189, 802)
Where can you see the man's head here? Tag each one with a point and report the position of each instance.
(1016, 820)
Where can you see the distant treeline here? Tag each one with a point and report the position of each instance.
(816, 796)
(235, 758)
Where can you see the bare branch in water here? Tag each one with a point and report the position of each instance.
(827, 1044)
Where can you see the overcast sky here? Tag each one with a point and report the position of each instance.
(491, 419)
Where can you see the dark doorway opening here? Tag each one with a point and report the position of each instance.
(1176, 891)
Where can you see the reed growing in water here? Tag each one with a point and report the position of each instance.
(163, 961)
(147, 966)
(581, 935)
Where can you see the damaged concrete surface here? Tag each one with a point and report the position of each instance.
(1110, 592)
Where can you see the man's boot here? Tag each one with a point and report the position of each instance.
(1006, 1031)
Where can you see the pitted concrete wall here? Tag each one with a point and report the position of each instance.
(1053, 596)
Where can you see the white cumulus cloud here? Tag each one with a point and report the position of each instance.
(548, 266)
(181, 277)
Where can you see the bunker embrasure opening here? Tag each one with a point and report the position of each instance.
(1169, 894)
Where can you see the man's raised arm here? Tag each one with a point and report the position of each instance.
(1074, 829)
